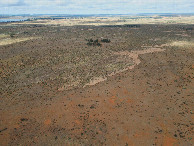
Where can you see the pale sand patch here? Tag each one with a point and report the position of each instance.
(167, 31)
(61, 88)
(70, 83)
(95, 80)
(3, 36)
(9, 41)
(184, 35)
(133, 54)
(182, 44)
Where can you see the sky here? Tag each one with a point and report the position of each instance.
(95, 6)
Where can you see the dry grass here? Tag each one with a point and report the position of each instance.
(8, 41)
(2, 36)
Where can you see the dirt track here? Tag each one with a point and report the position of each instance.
(148, 105)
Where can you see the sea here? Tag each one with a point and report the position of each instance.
(13, 20)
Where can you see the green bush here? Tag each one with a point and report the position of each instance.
(12, 35)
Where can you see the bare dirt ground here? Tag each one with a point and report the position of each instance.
(135, 90)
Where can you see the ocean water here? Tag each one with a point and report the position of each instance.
(13, 20)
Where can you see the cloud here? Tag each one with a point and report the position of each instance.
(96, 6)
(12, 3)
(63, 2)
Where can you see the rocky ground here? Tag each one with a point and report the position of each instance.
(151, 104)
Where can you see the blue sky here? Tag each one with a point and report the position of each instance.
(95, 6)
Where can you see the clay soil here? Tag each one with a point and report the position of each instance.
(48, 96)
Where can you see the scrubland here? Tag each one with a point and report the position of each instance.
(136, 89)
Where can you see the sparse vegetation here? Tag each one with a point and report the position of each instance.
(45, 72)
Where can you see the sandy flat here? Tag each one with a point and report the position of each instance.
(122, 20)
(8, 41)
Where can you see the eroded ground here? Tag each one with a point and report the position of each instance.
(143, 95)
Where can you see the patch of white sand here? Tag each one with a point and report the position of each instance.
(134, 55)
(9, 41)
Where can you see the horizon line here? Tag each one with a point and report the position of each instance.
(90, 14)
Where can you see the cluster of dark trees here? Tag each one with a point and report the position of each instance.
(105, 40)
(186, 28)
(126, 25)
(132, 25)
(12, 35)
(92, 42)
(96, 42)
(190, 28)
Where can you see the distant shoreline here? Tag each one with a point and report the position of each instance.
(5, 20)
